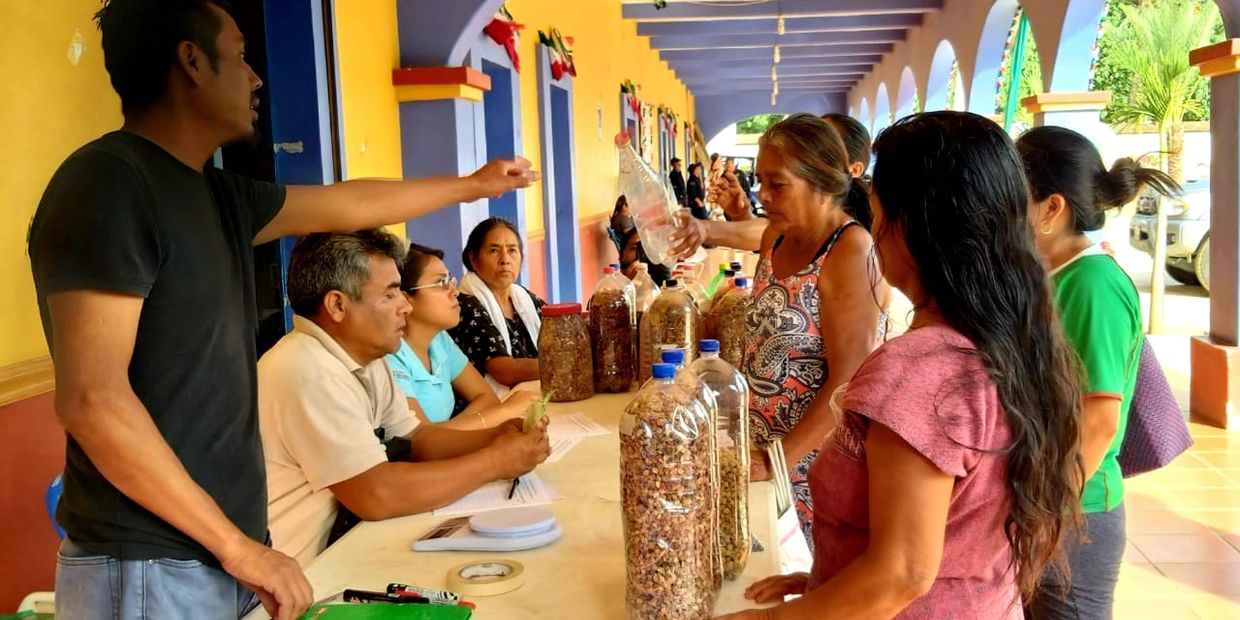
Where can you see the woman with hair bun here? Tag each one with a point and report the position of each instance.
(1101, 316)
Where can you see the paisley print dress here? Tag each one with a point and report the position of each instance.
(785, 362)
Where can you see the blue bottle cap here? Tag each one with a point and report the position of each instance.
(742, 282)
(673, 356)
(663, 371)
(709, 346)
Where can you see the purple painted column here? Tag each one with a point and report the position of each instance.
(442, 137)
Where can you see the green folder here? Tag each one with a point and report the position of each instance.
(387, 611)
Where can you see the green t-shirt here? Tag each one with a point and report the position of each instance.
(1101, 316)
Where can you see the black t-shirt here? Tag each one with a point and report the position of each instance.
(678, 185)
(481, 342)
(122, 214)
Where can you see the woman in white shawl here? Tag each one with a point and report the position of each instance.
(499, 324)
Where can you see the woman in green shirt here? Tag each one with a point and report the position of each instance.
(1101, 317)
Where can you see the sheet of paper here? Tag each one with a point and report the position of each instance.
(561, 446)
(494, 496)
(574, 425)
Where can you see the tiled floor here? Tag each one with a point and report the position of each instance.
(1183, 555)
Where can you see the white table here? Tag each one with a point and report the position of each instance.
(581, 576)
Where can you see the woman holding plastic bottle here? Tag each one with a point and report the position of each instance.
(816, 310)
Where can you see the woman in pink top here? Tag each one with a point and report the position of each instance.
(955, 468)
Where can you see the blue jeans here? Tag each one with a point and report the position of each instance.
(1095, 566)
(92, 586)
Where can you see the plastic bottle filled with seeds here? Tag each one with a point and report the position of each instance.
(710, 327)
(612, 317)
(710, 526)
(671, 320)
(727, 318)
(646, 291)
(731, 394)
(663, 478)
(688, 281)
(564, 359)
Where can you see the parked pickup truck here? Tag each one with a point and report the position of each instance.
(1188, 231)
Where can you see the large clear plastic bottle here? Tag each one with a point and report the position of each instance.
(646, 289)
(701, 298)
(731, 395)
(727, 321)
(664, 497)
(671, 320)
(654, 209)
(705, 395)
(612, 320)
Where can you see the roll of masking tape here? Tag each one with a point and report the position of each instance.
(486, 578)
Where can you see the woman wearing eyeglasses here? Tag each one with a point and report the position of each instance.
(499, 318)
(430, 368)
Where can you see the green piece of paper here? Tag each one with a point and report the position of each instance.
(537, 411)
(387, 611)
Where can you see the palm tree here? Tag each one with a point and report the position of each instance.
(1153, 45)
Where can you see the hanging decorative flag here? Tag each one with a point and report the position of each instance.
(506, 33)
(630, 90)
(565, 45)
(560, 49)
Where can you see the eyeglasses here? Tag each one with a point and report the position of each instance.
(446, 282)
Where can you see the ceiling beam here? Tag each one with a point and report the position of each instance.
(830, 88)
(843, 23)
(770, 39)
(765, 60)
(746, 73)
(807, 51)
(766, 85)
(690, 80)
(645, 11)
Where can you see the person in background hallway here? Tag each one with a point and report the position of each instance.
(500, 318)
(143, 265)
(730, 171)
(953, 471)
(696, 194)
(1101, 315)
(677, 178)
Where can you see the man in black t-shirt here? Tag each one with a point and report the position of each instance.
(677, 179)
(142, 261)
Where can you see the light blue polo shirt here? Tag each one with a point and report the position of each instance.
(432, 390)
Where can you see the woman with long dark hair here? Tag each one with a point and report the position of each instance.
(954, 470)
(1101, 316)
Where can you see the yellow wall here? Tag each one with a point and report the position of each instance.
(49, 107)
(367, 51)
(606, 51)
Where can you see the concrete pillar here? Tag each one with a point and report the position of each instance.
(439, 136)
(1215, 384)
